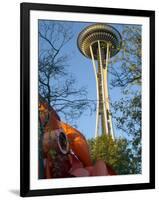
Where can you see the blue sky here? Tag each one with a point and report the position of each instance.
(82, 69)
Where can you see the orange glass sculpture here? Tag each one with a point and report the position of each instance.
(65, 149)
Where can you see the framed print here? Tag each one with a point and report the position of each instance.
(87, 99)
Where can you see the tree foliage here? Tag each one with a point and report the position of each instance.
(126, 73)
(115, 153)
(126, 65)
(128, 120)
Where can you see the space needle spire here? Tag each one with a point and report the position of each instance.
(100, 42)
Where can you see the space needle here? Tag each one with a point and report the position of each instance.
(100, 42)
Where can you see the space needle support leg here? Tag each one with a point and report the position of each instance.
(105, 74)
(111, 124)
(103, 99)
(96, 78)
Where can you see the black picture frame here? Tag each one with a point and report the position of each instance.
(25, 9)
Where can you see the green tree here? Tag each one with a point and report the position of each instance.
(115, 153)
(128, 119)
(126, 65)
(126, 71)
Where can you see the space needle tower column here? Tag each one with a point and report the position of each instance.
(100, 42)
